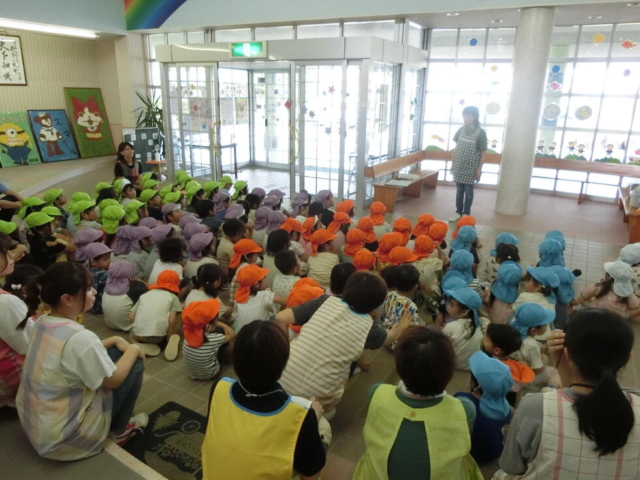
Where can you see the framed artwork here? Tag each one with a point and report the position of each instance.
(16, 141)
(11, 61)
(53, 135)
(90, 122)
(146, 143)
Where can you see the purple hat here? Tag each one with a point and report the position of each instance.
(197, 244)
(160, 233)
(270, 201)
(82, 239)
(301, 199)
(148, 222)
(259, 192)
(235, 211)
(124, 240)
(96, 249)
(276, 218)
(193, 228)
(262, 218)
(277, 193)
(219, 199)
(170, 207)
(187, 219)
(323, 195)
(120, 273)
(139, 233)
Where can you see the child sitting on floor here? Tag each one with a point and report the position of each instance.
(254, 301)
(564, 295)
(172, 215)
(245, 252)
(171, 253)
(503, 292)
(205, 284)
(86, 215)
(99, 261)
(465, 332)
(205, 339)
(376, 214)
(339, 276)
(430, 267)
(322, 259)
(467, 240)
(505, 250)
(386, 243)
(158, 234)
(630, 254)
(354, 243)
(44, 247)
(451, 281)
(551, 250)
(232, 230)
(539, 283)
(287, 265)
(120, 295)
(399, 301)
(364, 260)
(462, 262)
(202, 250)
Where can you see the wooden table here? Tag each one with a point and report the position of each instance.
(157, 165)
(630, 214)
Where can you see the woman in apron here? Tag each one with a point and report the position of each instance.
(126, 165)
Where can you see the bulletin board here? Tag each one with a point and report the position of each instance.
(146, 143)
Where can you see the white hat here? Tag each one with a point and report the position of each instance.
(622, 276)
(630, 254)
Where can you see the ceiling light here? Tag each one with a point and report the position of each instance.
(594, 17)
(496, 21)
(452, 14)
(42, 28)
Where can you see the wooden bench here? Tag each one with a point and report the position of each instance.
(631, 215)
(388, 194)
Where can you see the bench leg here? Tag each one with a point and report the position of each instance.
(431, 181)
(386, 196)
(413, 190)
(634, 229)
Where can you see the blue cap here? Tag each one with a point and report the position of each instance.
(544, 276)
(466, 236)
(470, 298)
(452, 281)
(565, 291)
(494, 378)
(529, 315)
(557, 235)
(551, 253)
(504, 238)
(505, 287)
(462, 261)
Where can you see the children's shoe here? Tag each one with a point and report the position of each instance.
(136, 425)
(171, 352)
(577, 272)
(150, 349)
(455, 217)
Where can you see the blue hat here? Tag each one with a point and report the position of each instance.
(505, 287)
(466, 236)
(551, 253)
(504, 238)
(470, 298)
(453, 280)
(557, 235)
(529, 315)
(462, 261)
(544, 276)
(565, 291)
(494, 378)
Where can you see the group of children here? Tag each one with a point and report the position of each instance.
(188, 265)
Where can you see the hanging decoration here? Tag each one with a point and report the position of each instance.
(436, 148)
(555, 86)
(461, 101)
(551, 112)
(626, 73)
(555, 69)
(628, 44)
(473, 42)
(327, 130)
(312, 114)
(332, 89)
(598, 38)
(584, 112)
(492, 108)
(494, 68)
(287, 104)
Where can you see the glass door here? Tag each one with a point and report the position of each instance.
(271, 117)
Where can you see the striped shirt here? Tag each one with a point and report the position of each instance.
(202, 362)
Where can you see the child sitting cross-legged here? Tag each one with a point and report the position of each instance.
(99, 260)
(245, 252)
(339, 276)
(399, 301)
(254, 301)
(120, 295)
(205, 339)
(323, 258)
(503, 292)
(539, 283)
(171, 251)
(202, 248)
(287, 264)
(465, 332)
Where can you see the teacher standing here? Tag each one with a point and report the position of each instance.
(471, 143)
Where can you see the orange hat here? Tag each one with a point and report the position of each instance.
(302, 294)
(388, 242)
(246, 278)
(355, 241)
(307, 281)
(339, 219)
(320, 237)
(366, 225)
(308, 225)
(400, 255)
(423, 246)
(243, 247)
(422, 227)
(376, 212)
(467, 220)
(519, 371)
(438, 232)
(364, 260)
(403, 225)
(167, 280)
(292, 225)
(345, 207)
(195, 317)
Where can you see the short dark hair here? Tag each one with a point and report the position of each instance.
(315, 209)
(372, 247)
(277, 242)
(327, 217)
(388, 275)
(232, 227)
(505, 252)
(364, 292)
(252, 199)
(203, 207)
(129, 186)
(170, 250)
(246, 206)
(406, 277)
(286, 261)
(505, 337)
(425, 360)
(260, 353)
(339, 276)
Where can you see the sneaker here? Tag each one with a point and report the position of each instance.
(150, 349)
(171, 352)
(136, 425)
(455, 217)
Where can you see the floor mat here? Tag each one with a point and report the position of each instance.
(171, 442)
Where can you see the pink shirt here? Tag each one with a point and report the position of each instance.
(610, 301)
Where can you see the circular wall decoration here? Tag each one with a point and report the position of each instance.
(551, 111)
(584, 112)
(473, 42)
(599, 38)
(493, 108)
(555, 69)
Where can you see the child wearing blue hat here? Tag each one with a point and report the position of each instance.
(462, 262)
(465, 332)
(490, 384)
(564, 295)
(503, 292)
(451, 281)
(539, 283)
(505, 250)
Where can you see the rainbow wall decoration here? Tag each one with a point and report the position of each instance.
(142, 14)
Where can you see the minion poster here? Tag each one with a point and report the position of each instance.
(16, 141)
(88, 116)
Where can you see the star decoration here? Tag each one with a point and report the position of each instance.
(312, 114)
(276, 91)
(304, 110)
(327, 130)
(332, 89)
(287, 104)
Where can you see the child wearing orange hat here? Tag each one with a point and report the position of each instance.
(205, 339)
(154, 316)
(245, 252)
(376, 214)
(309, 226)
(346, 206)
(295, 229)
(323, 258)
(387, 243)
(371, 241)
(430, 268)
(364, 260)
(253, 300)
(354, 242)
(466, 221)
(403, 226)
(438, 232)
(422, 226)
(401, 255)
(339, 226)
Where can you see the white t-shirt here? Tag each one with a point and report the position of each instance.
(530, 353)
(201, 296)
(269, 263)
(202, 362)
(160, 267)
(116, 309)
(191, 268)
(260, 236)
(149, 264)
(14, 312)
(224, 253)
(259, 307)
(320, 268)
(282, 284)
(139, 259)
(153, 311)
(458, 332)
(85, 362)
(380, 230)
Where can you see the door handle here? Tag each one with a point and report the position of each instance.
(266, 122)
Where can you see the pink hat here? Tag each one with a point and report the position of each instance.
(124, 240)
(235, 211)
(193, 228)
(120, 273)
(170, 207)
(276, 218)
(96, 249)
(279, 194)
(259, 192)
(262, 218)
(148, 222)
(270, 201)
(219, 199)
(188, 219)
(160, 233)
(197, 244)
(82, 239)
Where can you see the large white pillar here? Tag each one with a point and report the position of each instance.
(530, 60)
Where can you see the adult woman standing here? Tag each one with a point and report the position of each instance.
(126, 165)
(593, 423)
(471, 143)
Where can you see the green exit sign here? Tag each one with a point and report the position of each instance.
(249, 50)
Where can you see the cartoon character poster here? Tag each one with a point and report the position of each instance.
(16, 141)
(53, 135)
(88, 117)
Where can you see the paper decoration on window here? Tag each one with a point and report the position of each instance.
(494, 68)
(584, 112)
(493, 146)
(436, 148)
(555, 69)
(304, 110)
(473, 42)
(493, 108)
(555, 86)
(599, 38)
(332, 89)
(627, 44)
(608, 158)
(327, 130)
(573, 155)
(461, 101)
(287, 104)
(276, 91)
(551, 112)
(627, 72)
(312, 114)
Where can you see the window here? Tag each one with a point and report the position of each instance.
(236, 35)
(274, 33)
(322, 30)
(416, 35)
(386, 29)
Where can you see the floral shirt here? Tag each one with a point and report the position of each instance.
(394, 306)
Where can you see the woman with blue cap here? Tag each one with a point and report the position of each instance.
(504, 292)
(505, 250)
(490, 383)
(539, 283)
(564, 294)
(465, 331)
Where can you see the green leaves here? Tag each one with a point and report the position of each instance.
(150, 115)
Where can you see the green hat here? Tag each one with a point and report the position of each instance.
(52, 195)
(192, 183)
(166, 189)
(132, 211)
(37, 219)
(180, 175)
(78, 196)
(238, 186)
(29, 202)
(172, 197)
(111, 218)
(80, 207)
(117, 185)
(7, 227)
(150, 184)
(192, 190)
(107, 202)
(102, 185)
(146, 176)
(226, 180)
(210, 186)
(147, 195)
(52, 211)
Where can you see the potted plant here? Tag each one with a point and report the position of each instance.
(150, 115)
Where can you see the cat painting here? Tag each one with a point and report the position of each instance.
(90, 121)
(89, 117)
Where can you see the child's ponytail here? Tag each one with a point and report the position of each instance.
(31, 299)
(207, 276)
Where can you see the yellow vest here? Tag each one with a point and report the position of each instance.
(447, 433)
(246, 445)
